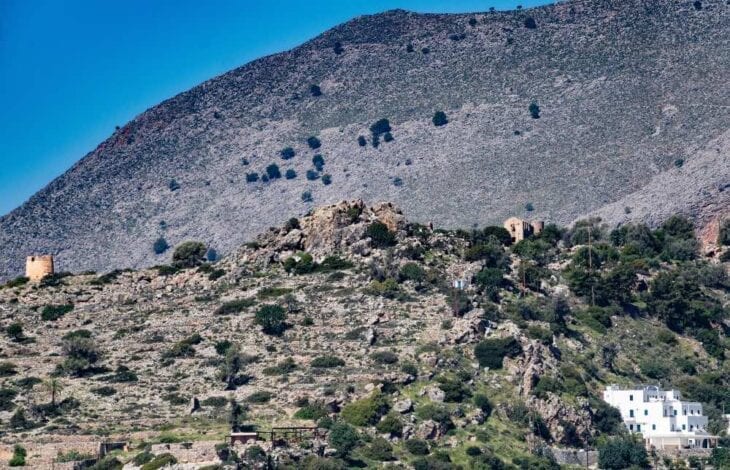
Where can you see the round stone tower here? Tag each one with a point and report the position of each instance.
(37, 267)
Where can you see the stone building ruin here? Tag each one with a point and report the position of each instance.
(520, 229)
(38, 267)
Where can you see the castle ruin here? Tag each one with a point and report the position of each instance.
(520, 229)
(38, 267)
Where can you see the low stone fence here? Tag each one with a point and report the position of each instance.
(43, 455)
(582, 458)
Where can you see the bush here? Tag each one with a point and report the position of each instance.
(189, 254)
(326, 179)
(252, 177)
(160, 461)
(439, 119)
(534, 110)
(301, 263)
(18, 458)
(315, 90)
(327, 362)
(455, 391)
(361, 141)
(160, 246)
(343, 438)
(54, 312)
(290, 174)
(490, 352)
(390, 424)
(312, 411)
(174, 185)
(183, 348)
(380, 127)
(412, 272)
(366, 411)
(81, 354)
(530, 23)
(105, 391)
(7, 369)
(318, 162)
(388, 137)
(620, 453)
(273, 172)
(7, 395)
(271, 318)
(723, 237)
(314, 143)
(380, 235)
(482, 402)
(307, 196)
(379, 449)
(17, 282)
(261, 396)
(287, 153)
(384, 357)
(234, 306)
(312, 175)
(417, 446)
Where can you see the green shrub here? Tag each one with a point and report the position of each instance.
(318, 162)
(7, 369)
(366, 411)
(18, 458)
(361, 141)
(7, 395)
(412, 272)
(379, 449)
(282, 368)
(312, 175)
(262, 396)
(301, 263)
(234, 306)
(160, 461)
(189, 254)
(271, 318)
(482, 402)
(15, 331)
(380, 235)
(534, 110)
(54, 312)
(290, 174)
(622, 452)
(439, 119)
(327, 362)
(314, 143)
(104, 391)
(315, 90)
(17, 282)
(326, 179)
(455, 390)
(312, 411)
(384, 357)
(490, 352)
(252, 177)
(417, 447)
(183, 348)
(390, 424)
(380, 127)
(343, 438)
(287, 153)
(273, 172)
(160, 246)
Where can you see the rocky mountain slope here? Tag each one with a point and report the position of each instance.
(349, 314)
(623, 92)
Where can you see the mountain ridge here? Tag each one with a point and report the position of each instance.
(613, 114)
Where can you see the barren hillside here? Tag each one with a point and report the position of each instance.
(623, 91)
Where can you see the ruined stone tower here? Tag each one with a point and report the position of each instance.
(37, 267)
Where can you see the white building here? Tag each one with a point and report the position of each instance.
(663, 419)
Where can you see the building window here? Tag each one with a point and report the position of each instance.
(646, 412)
(691, 427)
(631, 427)
(631, 398)
(638, 427)
(684, 412)
(631, 413)
(653, 427)
(675, 412)
(684, 427)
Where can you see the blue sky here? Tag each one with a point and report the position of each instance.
(71, 70)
